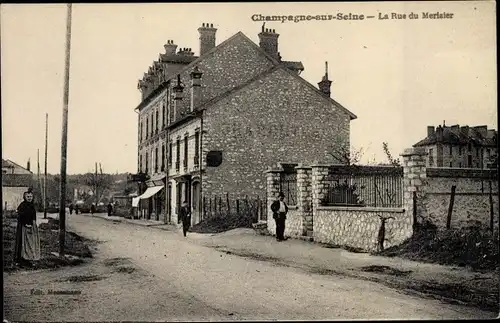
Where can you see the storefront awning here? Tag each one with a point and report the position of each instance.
(147, 194)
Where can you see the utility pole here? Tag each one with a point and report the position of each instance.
(38, 172)
(64, 140)
(95, 185)
(45, 177)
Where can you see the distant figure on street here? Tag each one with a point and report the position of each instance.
(70, 208)
(92, 209)
(279, 209)
(110, 208)
(27, 247)
(185, 217)
(77, 208)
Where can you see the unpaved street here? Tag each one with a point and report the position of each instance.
(142, 273)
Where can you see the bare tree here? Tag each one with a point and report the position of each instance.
(392, 161)
(100, 182)
(345, 155)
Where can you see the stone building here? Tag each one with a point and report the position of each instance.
(16, 180)
(460, 146)
(212, 124)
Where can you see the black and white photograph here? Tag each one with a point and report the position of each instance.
(239, 161)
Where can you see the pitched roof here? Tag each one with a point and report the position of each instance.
(10, 164)
(456, 135)
(285, 64)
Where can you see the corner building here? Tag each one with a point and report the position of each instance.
(212, 124)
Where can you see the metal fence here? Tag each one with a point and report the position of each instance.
(374, 186)
(288, 185)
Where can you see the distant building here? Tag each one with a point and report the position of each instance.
(212, 124)
(460, 146)
(16, 180)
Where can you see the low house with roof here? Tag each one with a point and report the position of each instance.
(212, 124)
(460, 146)
(16, 180)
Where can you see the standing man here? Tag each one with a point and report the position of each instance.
(70, 208)
(185, 217)
(110, 208)
(280, 209)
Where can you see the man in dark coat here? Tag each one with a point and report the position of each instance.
(110, 208)
(280, 209)
(185, 217)
(70, 208)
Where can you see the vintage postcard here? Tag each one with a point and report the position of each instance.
(250, 161)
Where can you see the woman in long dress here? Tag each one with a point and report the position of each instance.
(27, 237)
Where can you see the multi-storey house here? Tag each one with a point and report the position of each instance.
(212, 124)
(460, 146)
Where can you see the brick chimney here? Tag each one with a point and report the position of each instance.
(325, 84)
(483, 130)
(430, 131)
(268, 41)
(439, 133)
(28, 165)
(195, 88)
(170, 47)
(207, 37)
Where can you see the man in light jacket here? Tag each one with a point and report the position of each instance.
(280, 209)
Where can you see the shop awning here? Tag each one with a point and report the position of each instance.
(149, 192)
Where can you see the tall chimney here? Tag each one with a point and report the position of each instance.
(170, 47)
(207, 37)
(325, 84)
(268, 41)
(430, 131)
(28, 165)
(195, 88)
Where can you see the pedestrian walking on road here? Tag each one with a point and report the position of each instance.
(70, 208)
(77, 208)
(280, 209)
(27, 247)
(110, 208)
(92, 209)
(185, 217)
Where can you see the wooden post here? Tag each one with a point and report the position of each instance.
(228, 206)
(450, 208)
(204, 208)
(64, 140)
(45, 175)
(415, 220)
(220, 205)
(491, 207)
(247, 207)
(258, 209)
(238, 206)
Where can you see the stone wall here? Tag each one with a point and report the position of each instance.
(359, 228)
(12, 197)
(276, 118)
(471, 203)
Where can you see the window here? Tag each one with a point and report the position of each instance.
(140, 132)
(469, 161)
(170, 154)
(460, 165)
(156, 160)
(488, 152)
(214, 158)
(178, 155)
(163, 157)
(164, 115)
(470, 147)
(186, 151)
(147, 127)
(196, 148)
(477, 151)
(156, 120)
(431, 157)
(140, 163)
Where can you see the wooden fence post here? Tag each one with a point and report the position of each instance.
(491, 207)
(238, 206)
(450, 208)
(228, 206)
(258, 209)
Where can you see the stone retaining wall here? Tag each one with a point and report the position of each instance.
(360, 228)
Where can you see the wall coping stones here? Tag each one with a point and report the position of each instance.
(361, 209)
(462, 172)
(419, 151)
(272, 170)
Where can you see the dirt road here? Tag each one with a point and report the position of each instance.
(142, 273)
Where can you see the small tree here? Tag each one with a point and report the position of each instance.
(392, 161)
(345, 155)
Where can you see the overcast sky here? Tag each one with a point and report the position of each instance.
(397, 76)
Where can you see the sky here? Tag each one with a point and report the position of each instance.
(397, 75)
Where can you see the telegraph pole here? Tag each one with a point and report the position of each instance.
(64, 141)
(45, 175)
